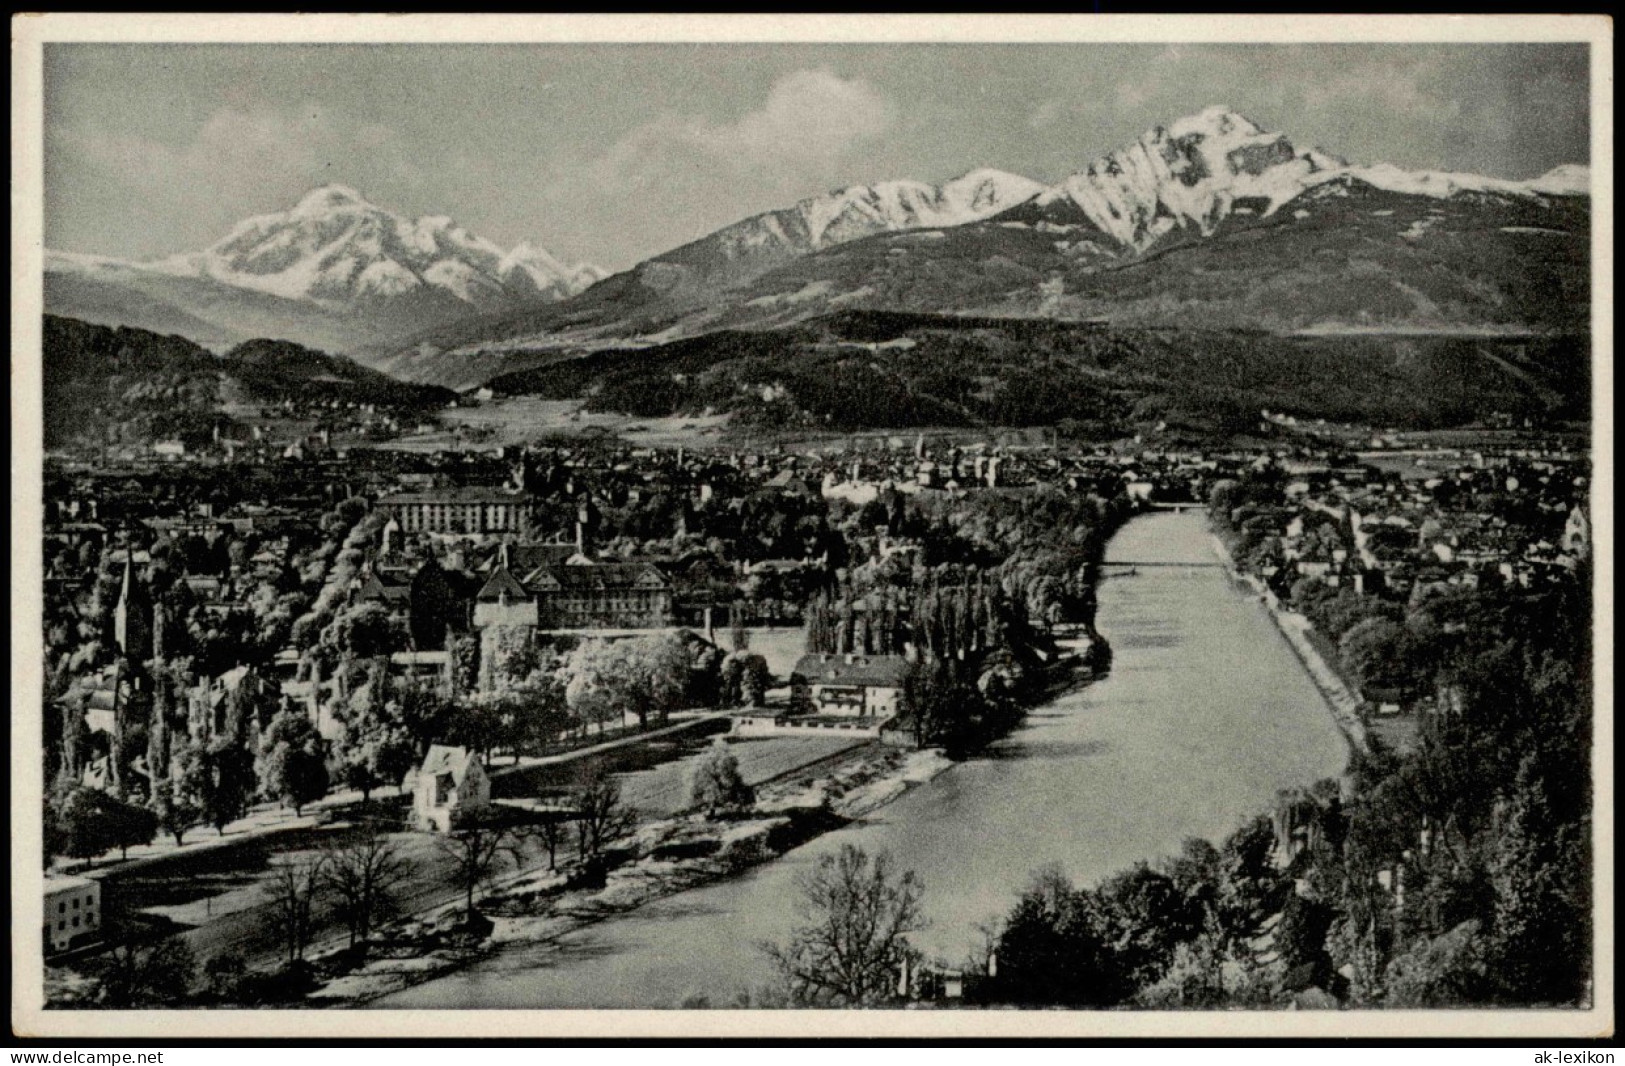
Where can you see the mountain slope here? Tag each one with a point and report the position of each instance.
(335, 271)
(693, 274)
(1208, 222)
(869, 369)
(1347, 255)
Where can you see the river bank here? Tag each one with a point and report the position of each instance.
(1340, 699)
(672, 856)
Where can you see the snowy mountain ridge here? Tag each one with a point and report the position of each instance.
(1193, 171)
(861, 210)
(336, 249)
(858, 211)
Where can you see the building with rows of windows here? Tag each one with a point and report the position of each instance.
(72, 912)
(470, 509)
(581, 594)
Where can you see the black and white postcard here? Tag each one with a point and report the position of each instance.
(747, 525)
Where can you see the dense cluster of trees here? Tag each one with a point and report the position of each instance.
(952, 612)
(974, 657)
(192, 641)
(743, 679)
(83, 823)
(1185, 933)
(962, 707)
(1486, 823)
(263, 748)
(645, 675)
(1249, 511)
(714, 782)
(975, 609)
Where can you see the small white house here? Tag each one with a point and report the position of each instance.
(450, 785)
(73, 908)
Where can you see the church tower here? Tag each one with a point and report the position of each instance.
(132, 616)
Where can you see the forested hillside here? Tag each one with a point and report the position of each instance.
(890, 370)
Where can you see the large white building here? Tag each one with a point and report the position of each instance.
(473, 510)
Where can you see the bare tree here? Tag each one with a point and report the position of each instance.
(295, 889)
(852, 942)
(364, 874)
(601, 818)
(552, 829)
(475, 845)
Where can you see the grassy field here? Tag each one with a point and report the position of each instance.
(519, 419)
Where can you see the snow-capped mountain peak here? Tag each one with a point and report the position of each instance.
(984, 191)
(888, 206)
(1190, 173)
(546, 271)
(527, 256)
(327, 199)
(336, 248)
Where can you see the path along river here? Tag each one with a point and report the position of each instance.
(1205, 715)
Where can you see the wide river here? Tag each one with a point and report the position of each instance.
(1205, 715)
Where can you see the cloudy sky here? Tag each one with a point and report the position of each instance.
(612, 153)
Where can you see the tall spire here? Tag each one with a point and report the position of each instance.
(132, 617)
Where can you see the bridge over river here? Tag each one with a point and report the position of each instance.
(1119, 565)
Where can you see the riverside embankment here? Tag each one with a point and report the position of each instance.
(1343, 703)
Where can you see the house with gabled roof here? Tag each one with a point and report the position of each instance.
(504, 601)
(863, 686)
(392, 589)
(450, 786)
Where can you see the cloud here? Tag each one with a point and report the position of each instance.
(228, 146)
(808, 114)
(1403, 90)
(677, 176)
(811, 119)
(235, 160)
